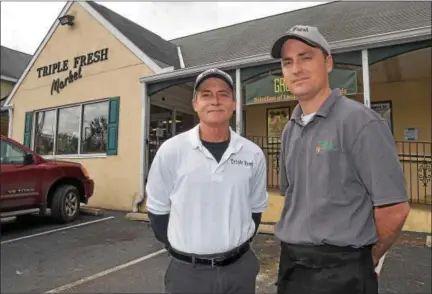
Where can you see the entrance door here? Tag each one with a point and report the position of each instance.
(160, 128)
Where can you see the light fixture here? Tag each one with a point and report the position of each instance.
(67, 20)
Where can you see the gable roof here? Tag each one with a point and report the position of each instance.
(161, 51)
(93, 9)
(338, 20)
(13, 63)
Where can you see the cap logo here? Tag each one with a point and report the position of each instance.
(300, 29)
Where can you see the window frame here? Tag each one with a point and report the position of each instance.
(56, 116)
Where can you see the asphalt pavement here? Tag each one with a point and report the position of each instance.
(109, 254)
(44, 262)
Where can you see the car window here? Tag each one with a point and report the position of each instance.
(11, 154)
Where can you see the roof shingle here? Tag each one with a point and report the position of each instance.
(337, 21)
(13, 62)
(161, 51)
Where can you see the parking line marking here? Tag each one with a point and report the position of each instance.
(57, 230)
(105, 272)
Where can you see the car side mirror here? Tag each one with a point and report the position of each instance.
(28, 159)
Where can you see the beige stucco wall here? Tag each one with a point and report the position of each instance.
(5, 88)
(116, 178)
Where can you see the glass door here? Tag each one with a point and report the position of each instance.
(160, 128)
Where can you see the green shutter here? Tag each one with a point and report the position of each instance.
(28, 129)
(113, 123)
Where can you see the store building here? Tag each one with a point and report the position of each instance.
(106, 92)
(12, 65)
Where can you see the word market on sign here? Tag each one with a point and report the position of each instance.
(78, 63)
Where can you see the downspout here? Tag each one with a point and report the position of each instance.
(143, 149)
(10, 121)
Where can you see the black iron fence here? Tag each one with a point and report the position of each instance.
(415, 158)
(271, 148)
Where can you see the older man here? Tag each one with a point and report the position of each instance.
(345, 194)
(206, 192)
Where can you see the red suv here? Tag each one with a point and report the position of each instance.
(31, 184)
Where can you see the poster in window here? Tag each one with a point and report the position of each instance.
(385, 110)
(277, 118)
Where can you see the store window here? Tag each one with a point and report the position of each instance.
(45, 132)
(90, 128)
(95, 125)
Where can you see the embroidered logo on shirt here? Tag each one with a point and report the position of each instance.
(324, 145)
(241, 162)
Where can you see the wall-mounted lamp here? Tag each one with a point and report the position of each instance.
(67, 20)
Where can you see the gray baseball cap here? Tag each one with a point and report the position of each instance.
(214, 73)
(307, 34)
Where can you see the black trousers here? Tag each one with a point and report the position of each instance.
(326, 270)
(238, 277)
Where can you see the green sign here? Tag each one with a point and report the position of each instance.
(272, 88)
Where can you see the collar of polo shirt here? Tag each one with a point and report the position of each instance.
(323, 110)
(234, 145)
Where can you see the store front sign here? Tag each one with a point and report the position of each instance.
(74, 68)
(272, 88)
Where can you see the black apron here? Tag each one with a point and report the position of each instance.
(326, 270)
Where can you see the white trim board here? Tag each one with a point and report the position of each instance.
(9, 79)
(97, 16)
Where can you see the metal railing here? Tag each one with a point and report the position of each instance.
(415, 159)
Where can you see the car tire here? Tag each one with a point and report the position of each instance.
(65, 205)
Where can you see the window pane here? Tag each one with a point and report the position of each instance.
(68, 130)
(11, 154)
(95, 128)
(45, 132)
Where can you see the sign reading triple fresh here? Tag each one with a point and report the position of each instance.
(272, 88)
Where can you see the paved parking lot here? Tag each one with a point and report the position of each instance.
(93, 255)
(44, 262)
(109, 254)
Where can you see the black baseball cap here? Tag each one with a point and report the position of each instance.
(214, 73)
(307, 34)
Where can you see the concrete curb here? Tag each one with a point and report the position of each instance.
(266, 229)
(429, 241)
(91, 211)
(137, 216)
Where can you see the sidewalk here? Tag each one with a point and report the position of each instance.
(407, 267)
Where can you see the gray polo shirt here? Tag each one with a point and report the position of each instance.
(333, 171)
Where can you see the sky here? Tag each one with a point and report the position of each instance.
(23, 29)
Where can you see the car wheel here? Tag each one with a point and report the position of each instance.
(65, 205)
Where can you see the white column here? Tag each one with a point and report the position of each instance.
(366, 83)
(10, 121)
(239, 105)
(173, 124)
